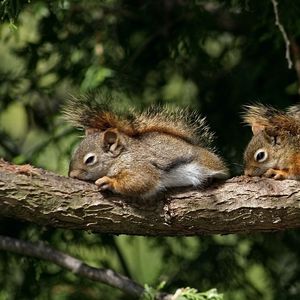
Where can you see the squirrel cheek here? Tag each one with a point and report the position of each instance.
(96, 172)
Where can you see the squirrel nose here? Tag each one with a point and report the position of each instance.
(247, 172)
(74, 173)
(252, 171)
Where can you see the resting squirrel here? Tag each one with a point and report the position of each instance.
(274, 150)
(141, 154)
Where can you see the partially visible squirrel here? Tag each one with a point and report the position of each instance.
(274, 150)
(141, 154)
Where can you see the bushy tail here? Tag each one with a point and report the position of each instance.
(102, 112)
(98, 113)
(181, 123)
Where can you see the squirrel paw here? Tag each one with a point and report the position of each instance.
(276, 174)
(105, 183)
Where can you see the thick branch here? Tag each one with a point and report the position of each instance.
(239, 205)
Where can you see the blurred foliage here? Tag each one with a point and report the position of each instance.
(184, 294)
(214, 56)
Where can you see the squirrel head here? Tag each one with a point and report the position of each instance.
(95, 154)
(262, 153)
(266, 147)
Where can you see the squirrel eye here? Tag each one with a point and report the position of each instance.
(90, 159)
(260, 155)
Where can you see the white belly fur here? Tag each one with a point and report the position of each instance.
(189, 174)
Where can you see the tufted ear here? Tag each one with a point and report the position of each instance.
(257, 128)
(272, 136)
(112, 142)
(257, 116)
(89, 131)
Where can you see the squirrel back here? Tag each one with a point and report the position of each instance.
(140, 154)
(274, 150)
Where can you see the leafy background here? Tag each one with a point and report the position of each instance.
(214, 56)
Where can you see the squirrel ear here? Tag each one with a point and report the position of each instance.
(257, 128)
(257, 116)
(112, 142)
(89, 131)
(273, 136)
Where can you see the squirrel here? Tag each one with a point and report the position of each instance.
(140, 154)
(274, 150)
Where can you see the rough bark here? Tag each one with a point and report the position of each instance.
(240, 204)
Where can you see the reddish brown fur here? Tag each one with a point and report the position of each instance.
(107, 120)
(178, 123)
(131, 182)
(276, 133)
(286, 123)
(142, 154)
(294, 169)
(272, 120)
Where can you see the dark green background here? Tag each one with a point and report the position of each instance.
(214, 56)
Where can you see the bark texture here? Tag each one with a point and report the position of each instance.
(240, 204)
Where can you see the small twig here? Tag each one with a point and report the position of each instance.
(296, 55)
(284, 34)
(78, 267)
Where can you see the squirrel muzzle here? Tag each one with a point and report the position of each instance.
(74, 173)
(253, 171)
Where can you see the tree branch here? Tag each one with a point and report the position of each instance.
(296, 56)
(39, 250)
(283, 33)
(240, 204)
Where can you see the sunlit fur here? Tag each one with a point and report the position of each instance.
(141, 154)
(278, 132)
(98, 113)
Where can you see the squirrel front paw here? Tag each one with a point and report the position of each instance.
(276, 174)
(105, 183)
